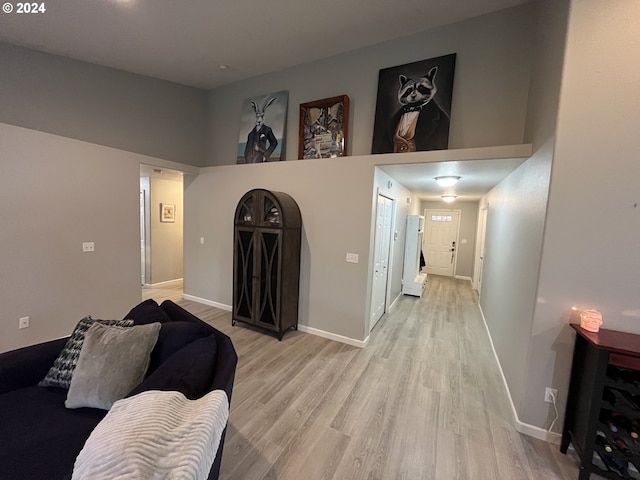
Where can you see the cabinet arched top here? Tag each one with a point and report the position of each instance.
(265, 208)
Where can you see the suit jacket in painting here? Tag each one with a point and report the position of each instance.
(431, 131)
(260, 145)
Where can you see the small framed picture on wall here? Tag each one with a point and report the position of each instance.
(324, 128)
(167, 212)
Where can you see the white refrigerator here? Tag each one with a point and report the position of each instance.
(413, 281)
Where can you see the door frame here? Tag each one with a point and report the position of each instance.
(483, 216)
(424, 238)
(387, 295)
(145, 231)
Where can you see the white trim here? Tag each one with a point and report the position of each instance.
(393, 304)
(169, 283)
(332, 336)
(302, 328)
(461, 277)
(526, 428)
(211, 303)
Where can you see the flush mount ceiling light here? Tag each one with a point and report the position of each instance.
(448, 198)
(447, 181)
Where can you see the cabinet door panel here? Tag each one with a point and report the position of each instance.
(269, 304)
(244, 276)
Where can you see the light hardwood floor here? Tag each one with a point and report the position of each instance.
(424, 400)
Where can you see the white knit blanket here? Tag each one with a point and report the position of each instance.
(155, 435)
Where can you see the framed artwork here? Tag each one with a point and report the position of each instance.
(413, 108)
(262, 127)
(324, 128)
(167, 212)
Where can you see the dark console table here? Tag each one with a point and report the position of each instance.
(602, 419)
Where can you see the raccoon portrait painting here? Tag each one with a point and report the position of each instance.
(413, 109)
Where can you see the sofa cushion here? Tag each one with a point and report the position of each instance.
(177, 313)
(26, 366)
(147, 312)
(39, 437)
(112, 361)
(190, 370)
(172, 337)
(59, 375)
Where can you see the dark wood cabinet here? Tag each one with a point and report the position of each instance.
(602, 420)
(266, 261)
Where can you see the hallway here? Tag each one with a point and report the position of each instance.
(424, 400)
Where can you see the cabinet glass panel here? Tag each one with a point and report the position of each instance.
(246, 213)
(244, 268)
(271, 212)
(269, 278)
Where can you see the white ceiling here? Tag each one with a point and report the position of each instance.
(478, 177)
(185, 41)
(160, 172)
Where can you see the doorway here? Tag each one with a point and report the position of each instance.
(440, 241)
(385, 213)
(161, 226)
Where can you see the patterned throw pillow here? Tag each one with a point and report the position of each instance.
(60, 373)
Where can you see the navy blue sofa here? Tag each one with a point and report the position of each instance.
(40, 438)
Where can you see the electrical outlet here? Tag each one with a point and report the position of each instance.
(550, 394)
(352, 257)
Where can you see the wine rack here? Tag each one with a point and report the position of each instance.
(602, 420)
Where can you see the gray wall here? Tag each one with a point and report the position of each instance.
(489, 97)
(58, 193)
(102, 105)
(590, 252)
(166, 237)
(515, 225)
(515, 228)
(465, 252)
(333, 293)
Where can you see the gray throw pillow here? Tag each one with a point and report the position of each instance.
(112, 361)
(59, 375)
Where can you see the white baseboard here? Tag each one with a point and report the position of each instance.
(332, 336)
(169, 283)
(461, 277)
(204, 301)
(526, 428)
(537, 432)
(302, 328)
(394, 302)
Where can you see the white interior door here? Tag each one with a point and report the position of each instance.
(382, 244)
(440, 241)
